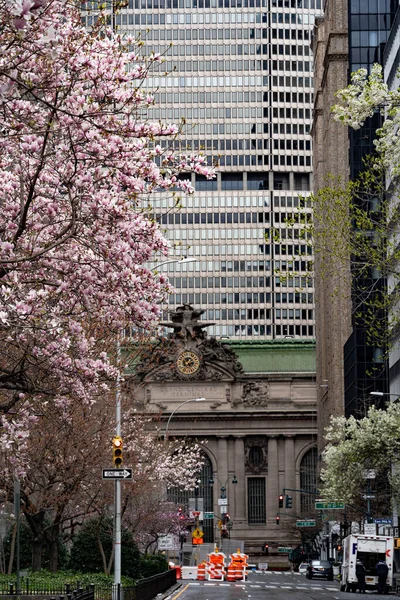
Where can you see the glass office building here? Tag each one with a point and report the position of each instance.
(240, 73)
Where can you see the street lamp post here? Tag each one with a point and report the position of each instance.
(177, 408)
(227, 523)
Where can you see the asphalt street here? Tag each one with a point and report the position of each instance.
(263, 586)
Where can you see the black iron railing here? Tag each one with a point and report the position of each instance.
(145, 589)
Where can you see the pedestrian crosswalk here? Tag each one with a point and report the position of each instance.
(272, 585)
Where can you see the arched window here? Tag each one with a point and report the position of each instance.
(199, 499)
(308, 480)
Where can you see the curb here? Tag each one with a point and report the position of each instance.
(167, 595)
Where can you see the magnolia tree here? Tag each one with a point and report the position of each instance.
(76, 162)
(357, 446)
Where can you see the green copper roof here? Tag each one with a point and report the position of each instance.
(275, 356)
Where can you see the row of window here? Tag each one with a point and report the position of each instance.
(228, 218)
(211, 299)
(291, 65)
(280, 298)
(280, 331)
(222, 49)
(215, 201)
(259, 161)
(218, 282)
(242, 112)
(227, 81)
(307, 4)
(210, 97)
(225, 33)
(292, 161)
(194, 18)
(213, 218)
(292, 50)
(196, 66)
(224, 282)
(292, 18)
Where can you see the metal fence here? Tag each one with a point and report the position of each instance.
(145, 589)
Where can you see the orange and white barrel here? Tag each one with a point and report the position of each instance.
(231, 576)
(201, 572)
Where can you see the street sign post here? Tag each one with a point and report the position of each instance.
(309, 523)
(208, 515)
(323, 505)
(222, 501)
(117, 474)
(284, 550)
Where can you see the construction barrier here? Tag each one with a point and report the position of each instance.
(238, 565)
(201, 572)
(215, 566)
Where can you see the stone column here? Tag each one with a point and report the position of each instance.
(290, 479)
(273, 479)
(239, 490)
(222, 470)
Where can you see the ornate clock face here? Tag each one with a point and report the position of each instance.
(188, 363)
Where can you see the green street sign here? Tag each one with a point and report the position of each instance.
(284, 550)
(309, 523)
(208, 515)
(322, 505)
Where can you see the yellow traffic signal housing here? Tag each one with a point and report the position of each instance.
(117, 451)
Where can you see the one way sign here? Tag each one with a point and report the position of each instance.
(117, 473)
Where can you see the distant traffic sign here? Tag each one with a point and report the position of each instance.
(369, 496)
(284, 550)
(322, 505)
(117, 473)
(208, 515)
(309, 523)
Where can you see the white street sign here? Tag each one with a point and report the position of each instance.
(370, 528)
(166, 542)
(222, 501)
(117, 473)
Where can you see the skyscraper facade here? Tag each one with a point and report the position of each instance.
(351, 35)
(240, 73)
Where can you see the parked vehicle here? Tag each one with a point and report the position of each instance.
(370, 549)
(303, 567)
(320, 568)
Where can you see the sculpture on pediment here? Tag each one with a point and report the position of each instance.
(255, 393)
(187, 353)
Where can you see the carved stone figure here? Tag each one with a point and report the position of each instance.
(255, 393)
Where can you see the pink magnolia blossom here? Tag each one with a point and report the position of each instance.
(77, 166)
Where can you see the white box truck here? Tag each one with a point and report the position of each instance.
(369, 549)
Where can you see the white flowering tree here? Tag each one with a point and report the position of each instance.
(78, 163)
(359, 445)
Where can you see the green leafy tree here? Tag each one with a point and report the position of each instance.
(26, 542)
(92, 549)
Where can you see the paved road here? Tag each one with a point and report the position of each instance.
(263, 586)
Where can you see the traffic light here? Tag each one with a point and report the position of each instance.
(117, 451)
(289, 501)
(180, 514)
(265, 549)
(277, 520)
(281, 497)
(339, 548)
(227, 518)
